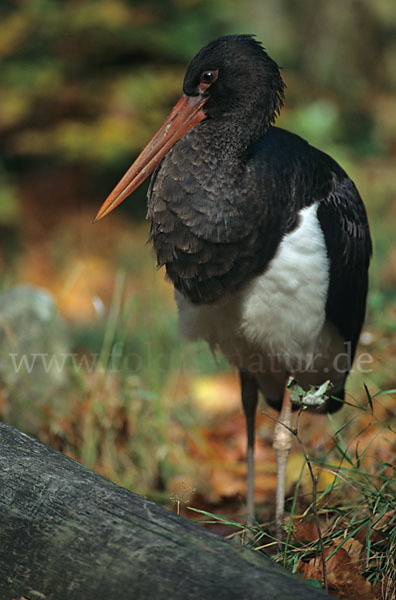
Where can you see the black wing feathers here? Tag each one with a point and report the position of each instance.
(208, 228)
(344, 224)
(217, 224)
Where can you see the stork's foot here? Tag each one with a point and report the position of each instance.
(281, 445)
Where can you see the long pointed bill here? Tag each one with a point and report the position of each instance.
(184, 116)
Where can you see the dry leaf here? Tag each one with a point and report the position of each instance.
(354, 549)
(344, 580)
(304, 530)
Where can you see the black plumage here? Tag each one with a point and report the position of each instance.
(231, 187)
(217, 227)
(217, 218)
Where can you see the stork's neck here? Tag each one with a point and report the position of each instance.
(231, 136)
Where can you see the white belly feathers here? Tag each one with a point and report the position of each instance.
(283, 310)
(279, 315)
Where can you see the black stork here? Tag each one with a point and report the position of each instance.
(264, 237)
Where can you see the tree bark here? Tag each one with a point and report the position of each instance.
(68, 533)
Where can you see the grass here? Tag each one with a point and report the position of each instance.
(356, 516)
(120, 415)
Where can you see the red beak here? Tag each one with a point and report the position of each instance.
(184, 116)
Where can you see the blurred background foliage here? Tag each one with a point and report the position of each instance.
(85, 82)
(83, 86)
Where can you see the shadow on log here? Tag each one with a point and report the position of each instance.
(68, 533)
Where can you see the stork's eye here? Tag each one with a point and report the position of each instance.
(207, 78)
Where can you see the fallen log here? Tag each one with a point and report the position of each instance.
(67, 533)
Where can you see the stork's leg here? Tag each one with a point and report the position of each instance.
(281, 445)
(249, 401)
